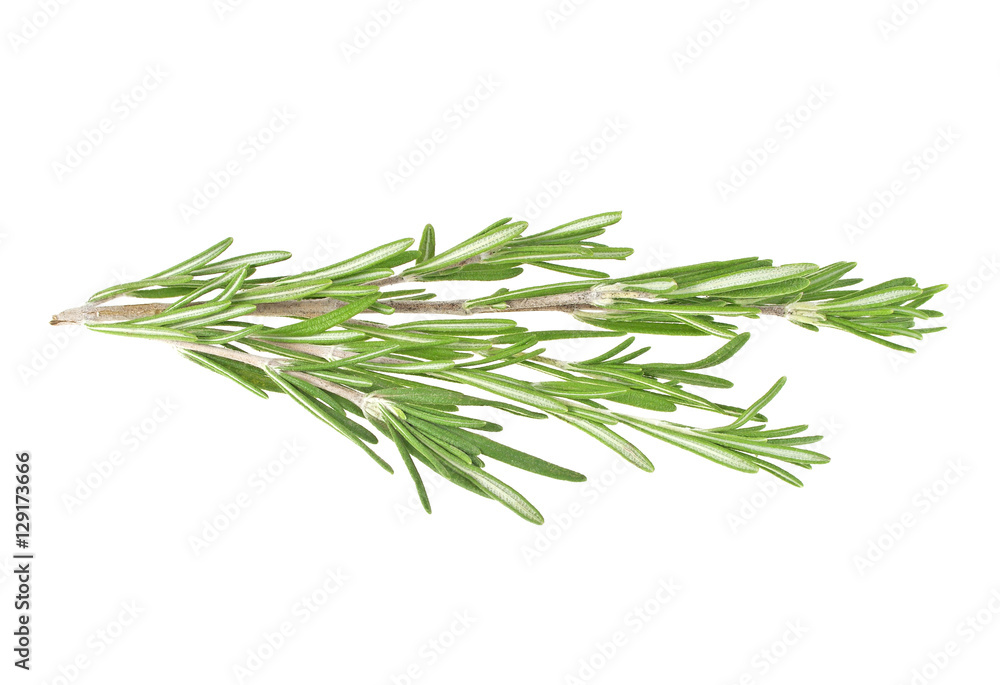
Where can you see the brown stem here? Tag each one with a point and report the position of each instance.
(307, 309)
(350, 394)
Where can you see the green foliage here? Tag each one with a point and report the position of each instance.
(414, 382)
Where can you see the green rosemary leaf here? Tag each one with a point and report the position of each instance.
(234, 283)
(580, 389)
(644, 400)
(591, 226)
(754, 408)
(657, 286)
(253, 259)
(411, 468)
(210, 363)
(701, 447)
(324, 322)
(365, 276)
(745, 279)
(829, 275)
(683, 307)
(611, 439)
(845, 326)
(494, 225)
(632, 326)
(536, 291)
(774, 470)
(426, 247)
(571, 270)
(198, 292)
(125, 288)
(354, 264)
(326, 416)
(790, 454)
(500, 354)
(926, 294)
(459, 326)
(313, 364)
(280, 292)
(632, 355)
(605, 252)
(335, 403)
(543, 336)
(167, 292)
(474, 272)
(346, 291)
(770, 433)
(213, 336)
(231, 312)
(410, 338)
(791, 442)
(422, 395)
(409, 367)
(768, 291)
(200, 259)
(398, 259)
(444, 418)
(521, 460)
(321, 338)
(689, 378)
(500, 491)
(696, 272)
(887, 296)
(610, 353)
(184, 314)
(151, 332)
(506, 387)
(477, 245)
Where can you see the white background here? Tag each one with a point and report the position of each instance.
(589, 110)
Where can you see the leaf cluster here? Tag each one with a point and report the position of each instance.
(418, 383)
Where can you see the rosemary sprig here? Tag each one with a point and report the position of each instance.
(410, 381)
